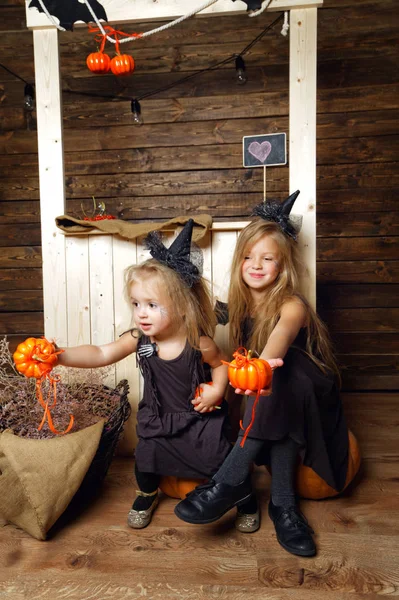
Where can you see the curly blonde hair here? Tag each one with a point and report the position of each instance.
(191, 307)
(285, 288)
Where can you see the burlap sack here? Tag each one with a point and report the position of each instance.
(131, 231)
(38, 478)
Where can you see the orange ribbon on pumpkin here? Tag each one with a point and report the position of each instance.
(36, 358)
(109, 32)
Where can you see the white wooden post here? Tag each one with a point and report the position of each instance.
(302, 145)
(51, 180)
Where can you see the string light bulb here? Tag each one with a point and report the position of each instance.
(241, 77)
(136, 110)
(29, 97)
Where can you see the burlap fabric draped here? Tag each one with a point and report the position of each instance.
(38, 478)
(131, 231)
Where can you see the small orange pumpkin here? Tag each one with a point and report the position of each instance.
(198, 394)
(177, 487)
(98, 62)
(310, 485)
(35, 357)
(122, 64)
(249, 373)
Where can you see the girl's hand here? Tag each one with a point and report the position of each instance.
(208, 400)
(274, 363)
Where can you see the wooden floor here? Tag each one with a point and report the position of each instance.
(97, 557)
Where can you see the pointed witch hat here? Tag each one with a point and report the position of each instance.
(177, 256)
(279, 212)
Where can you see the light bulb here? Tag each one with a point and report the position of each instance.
(136, 110)
(29, 94)
(241, 77)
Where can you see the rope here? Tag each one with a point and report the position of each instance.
(157, 29)
(285, 27)
(256, 13)
(50, 17)
(133, 37)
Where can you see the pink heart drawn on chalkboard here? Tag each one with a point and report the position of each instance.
(260, 151)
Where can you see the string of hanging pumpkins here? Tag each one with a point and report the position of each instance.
(123, 64)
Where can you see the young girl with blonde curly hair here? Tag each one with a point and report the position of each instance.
(179, 434)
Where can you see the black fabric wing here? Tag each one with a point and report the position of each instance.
(70, 11)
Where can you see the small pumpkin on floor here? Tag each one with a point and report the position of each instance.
(178, 487)
(310, 485)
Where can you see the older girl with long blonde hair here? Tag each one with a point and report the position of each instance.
(302, 417)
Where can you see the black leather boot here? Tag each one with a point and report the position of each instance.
(292, 530)
(210, 501)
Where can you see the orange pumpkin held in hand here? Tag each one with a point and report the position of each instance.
(35, 357)
(122, 64)
(198, 394)
(249, 373)
(98, 62)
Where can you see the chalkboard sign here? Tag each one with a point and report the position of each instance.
(264, 150)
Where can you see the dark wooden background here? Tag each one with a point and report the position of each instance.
(187, 158)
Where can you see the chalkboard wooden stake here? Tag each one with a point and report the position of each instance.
(264, 183)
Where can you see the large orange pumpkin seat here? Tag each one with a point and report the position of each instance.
(177, 487)
(310, 485)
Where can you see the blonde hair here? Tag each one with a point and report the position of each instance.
(285, 288)
(191, 307)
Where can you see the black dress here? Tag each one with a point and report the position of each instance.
(305, 405)
(174, 439)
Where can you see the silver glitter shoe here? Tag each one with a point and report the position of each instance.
(247, 523)
(138, 519)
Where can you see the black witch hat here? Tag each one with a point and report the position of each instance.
(177, 256)
(279, 212)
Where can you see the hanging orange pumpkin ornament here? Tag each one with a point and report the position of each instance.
(36, 357)
(121, 64)
(98, 62)
(249, 373)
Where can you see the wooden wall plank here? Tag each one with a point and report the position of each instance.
(21, 257)
(20, 212)
(363, 295)
(20, 279)
(125, 254)
(12, 322)
(358, 271)
(348, 249)
(20, 235)
(366, 343)
(102, 326)
(364, 320)
(18, 301)
(78, 291)
(52, 192)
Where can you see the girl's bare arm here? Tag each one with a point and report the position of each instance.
(211, 394)
(293, 317)
(90, 356)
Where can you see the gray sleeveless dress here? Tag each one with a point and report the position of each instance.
(173, 438)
